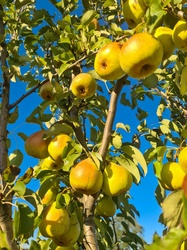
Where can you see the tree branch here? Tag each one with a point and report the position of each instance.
(111, 115)
(11, 106)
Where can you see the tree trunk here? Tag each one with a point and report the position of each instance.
(6, 224)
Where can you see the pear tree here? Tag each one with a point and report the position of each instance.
(92, 98)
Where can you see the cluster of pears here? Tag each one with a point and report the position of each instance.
(173, 173)
(85, 177)
(141, 54)
(60, 225)
(48, 150)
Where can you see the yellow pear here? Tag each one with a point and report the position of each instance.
(133, 11)
(141, 55)
(164, 35)
(85, 177)
(71, 236)
(57, 146)
(180, 35)
(106, 62)
(183, 159)
(50, 196)
(46, 91)
(49, 164)
(36, 146)
(55, 221)
(83, 86)
(116, 179)
(172, 176)
(106, 207)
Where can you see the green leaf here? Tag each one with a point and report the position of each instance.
(184, 212)
(157, 168)
(101, 226)
(160, 109)
(20, 3)
(59, 128)
(130, 166)
(33, 198)
(160, 194)
(136, 155)
(150, 81)
(13, 116)
(19, 188)
(23, 220)
(45, 186)
(172, 208)
(16, 158)
(63, 199)
(171, 241)
(154, 14)
(87, 17)
(62, 68)
(108, 3)
(96, 157)
(141, 114)
(124, 101)
(165, 130)
(72, 157)
(100, 43)
(123, 126)
(170, 124)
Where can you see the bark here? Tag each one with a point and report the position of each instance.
(5, 210)
(90, 237)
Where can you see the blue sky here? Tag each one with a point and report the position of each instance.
(143, 194)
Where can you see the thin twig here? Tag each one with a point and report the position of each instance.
(175, 11)
(169, 99)
(115, 234)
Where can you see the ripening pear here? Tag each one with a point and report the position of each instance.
(36, 146)
(55, 221)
